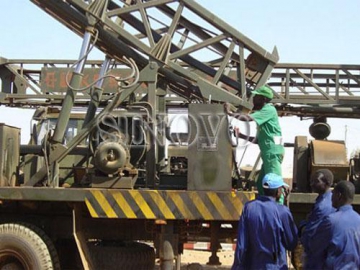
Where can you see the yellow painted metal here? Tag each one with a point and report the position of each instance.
(168, 205)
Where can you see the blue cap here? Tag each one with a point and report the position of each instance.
(272, 180)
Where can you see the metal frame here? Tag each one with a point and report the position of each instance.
(132, 30)
(316, 84)
(296, 83)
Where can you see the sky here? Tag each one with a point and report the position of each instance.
(306, 31)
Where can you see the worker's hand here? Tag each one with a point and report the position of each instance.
(229, 108)
(286, 192)
(236, 132)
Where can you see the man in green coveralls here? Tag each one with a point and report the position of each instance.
(268, 137)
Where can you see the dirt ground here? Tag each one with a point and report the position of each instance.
(197, 259)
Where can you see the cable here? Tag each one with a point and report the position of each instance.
(134, 71)
(80, 59)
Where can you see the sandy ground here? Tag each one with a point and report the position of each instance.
(197, 260)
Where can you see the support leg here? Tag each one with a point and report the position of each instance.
(214, 243)
(168, 246)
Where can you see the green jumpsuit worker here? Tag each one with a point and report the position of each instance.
(268, 137)
(269, 140)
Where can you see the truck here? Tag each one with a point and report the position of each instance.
(105, 181)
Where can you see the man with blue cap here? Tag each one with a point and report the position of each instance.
(269, 135)
(266, 230)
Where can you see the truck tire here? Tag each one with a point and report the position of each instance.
(24, 246)
(128, 255)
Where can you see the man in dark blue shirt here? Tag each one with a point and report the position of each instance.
(320, 183)
(266, 230)
(336, 243)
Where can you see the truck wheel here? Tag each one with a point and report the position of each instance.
(24, 246)
(129, 255)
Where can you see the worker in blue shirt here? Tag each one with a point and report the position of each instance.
(266, 230)
(320, 183)
(336, 243)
